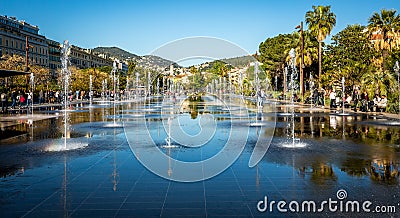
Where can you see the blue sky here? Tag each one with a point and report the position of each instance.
(142, 26)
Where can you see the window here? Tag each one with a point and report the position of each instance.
(1, 42)
(7, 42)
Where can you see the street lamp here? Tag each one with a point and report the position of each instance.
(396, 69)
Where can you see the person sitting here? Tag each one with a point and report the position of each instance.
(347, 101)
(374, 103)
(382, 104)
(281, 96)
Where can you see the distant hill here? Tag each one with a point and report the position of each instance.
(115, 52)
(147, 61)
(239, 61)
(157, 61)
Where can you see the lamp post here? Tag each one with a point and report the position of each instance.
(397, 69)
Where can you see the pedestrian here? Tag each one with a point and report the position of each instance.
(322, 94)
(41, 96)
(57, 96)
(316, 97)
(364, 101)
(46, 96)
(356, 98)
(21, 99)
(332, 97)
(13, 99)
(3, 102)
(29, 99)
(51, 96)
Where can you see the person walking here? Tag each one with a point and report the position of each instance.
(41, 96)
(3, 102)
(316, 97)
(29, 99)
(322, 94)
(356, 98)
(364, 101)
(21, 99)
(13, 99)
(57, 96)
(332, 97)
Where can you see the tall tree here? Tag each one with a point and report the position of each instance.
(42, 76)
(387, 24)
(273, 53)
(320, 22)
(350, 56)
(310, 50)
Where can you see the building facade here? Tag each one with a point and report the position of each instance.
(13, 34)
(85, 58)
(54, 56)
(42, 51)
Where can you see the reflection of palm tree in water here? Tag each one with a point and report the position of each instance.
(322, 173)
(194, 105)
(355, 167)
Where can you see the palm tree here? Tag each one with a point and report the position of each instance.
(320, 22)
(387, 23)
(310, 50)
(378, 82)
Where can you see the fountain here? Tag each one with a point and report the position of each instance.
(115, 86)
(104, 95)
(137, 85)
(343, 99)
(114, 79)
(32, 80)
(66, 74)
(259, 100)
(103, 89)
(127, 91)
(293, 86)
(168, 143)
(158, 86)
(117, 89)
(65, 51)
(286, 113)
(241, 79)
(148, 84)
(90, 90)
